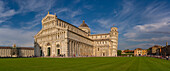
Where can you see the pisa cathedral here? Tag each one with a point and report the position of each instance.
(60, 38)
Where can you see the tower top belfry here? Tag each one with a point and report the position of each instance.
(85, 27)
(83, 24)
(14, 46)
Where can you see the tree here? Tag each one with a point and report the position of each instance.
(119, 52)
(127, 49)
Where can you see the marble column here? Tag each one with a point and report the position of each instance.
(78, 49)
(73, 48)
(69, 48)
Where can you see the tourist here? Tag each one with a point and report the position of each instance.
(167, 57)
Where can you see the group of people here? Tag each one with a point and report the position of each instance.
(161, 57)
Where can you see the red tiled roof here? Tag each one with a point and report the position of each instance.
(4, 47)
(9, 47)
(138, 49)
(30, 48)
(128, 51)
(155, 46)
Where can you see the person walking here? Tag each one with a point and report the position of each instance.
(167, 57)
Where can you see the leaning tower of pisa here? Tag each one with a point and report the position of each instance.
(114, 41)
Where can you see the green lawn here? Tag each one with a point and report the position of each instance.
(85, 64)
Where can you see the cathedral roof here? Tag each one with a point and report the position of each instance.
(83, 24)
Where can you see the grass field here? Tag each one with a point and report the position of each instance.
(85, 64)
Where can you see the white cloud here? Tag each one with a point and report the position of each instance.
(130, 35)
(152, 27)
(61, 10)
(142, 45)
(149, 24)
(35, 5)
(68, 12)
(163, 38)
(22, 37)
(155, 18)
(160, 39)
(75, 13)
(40, 6)
(127, 8)
(2, 21)
(8, 13)
(5, 12)
(76, 1)
(156, 9)
(88, 7)
(105, 23)
(121, 18)
(16, 36)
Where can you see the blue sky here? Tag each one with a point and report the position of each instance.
(141, 23)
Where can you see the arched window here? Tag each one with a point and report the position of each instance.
(64, 25)
(57, 23)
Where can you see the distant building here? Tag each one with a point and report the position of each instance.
(153, 49)
(16, 51)
(144, 52)
(127, 51)
(164, 51)
(5, 51)
(140, 52)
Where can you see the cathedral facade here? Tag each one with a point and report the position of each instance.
(60, 38)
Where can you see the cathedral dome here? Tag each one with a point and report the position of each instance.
(83, 24)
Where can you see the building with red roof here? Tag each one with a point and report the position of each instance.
(13, 51)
